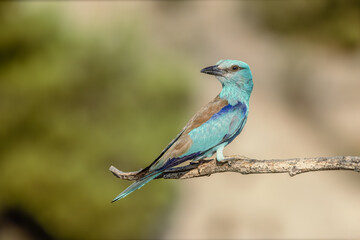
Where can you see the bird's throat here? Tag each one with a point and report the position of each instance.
(234, 94)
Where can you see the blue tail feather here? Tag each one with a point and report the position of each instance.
(137, 185)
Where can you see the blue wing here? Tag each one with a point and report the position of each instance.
(222, 127)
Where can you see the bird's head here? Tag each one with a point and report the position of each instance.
(230, 72)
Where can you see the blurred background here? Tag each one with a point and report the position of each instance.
(86, 85)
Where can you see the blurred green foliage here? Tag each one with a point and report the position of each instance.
(72, 104)
(326, 21)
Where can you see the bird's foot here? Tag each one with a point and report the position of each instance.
(225, 161)
(220, 159)
(219, 154)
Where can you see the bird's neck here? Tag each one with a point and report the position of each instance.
(234, 93)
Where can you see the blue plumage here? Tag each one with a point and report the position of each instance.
(212, 128)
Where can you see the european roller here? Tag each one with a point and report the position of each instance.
(212, 128)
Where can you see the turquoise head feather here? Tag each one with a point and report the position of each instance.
(236, 78)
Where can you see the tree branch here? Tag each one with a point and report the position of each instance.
(244, 165)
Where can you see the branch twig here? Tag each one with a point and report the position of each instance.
(252, 166)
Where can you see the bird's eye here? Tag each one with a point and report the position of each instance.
(235, 68)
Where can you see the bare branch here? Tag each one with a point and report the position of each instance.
(252, 166)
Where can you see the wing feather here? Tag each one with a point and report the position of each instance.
(182, 142)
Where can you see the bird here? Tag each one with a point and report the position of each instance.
(211, 129)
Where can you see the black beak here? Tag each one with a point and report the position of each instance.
(213, 70)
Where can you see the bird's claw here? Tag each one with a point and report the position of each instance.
(224, 161)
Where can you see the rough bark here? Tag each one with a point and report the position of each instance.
(245, 165)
